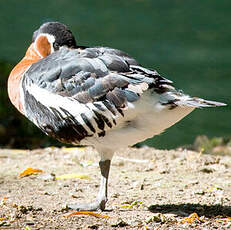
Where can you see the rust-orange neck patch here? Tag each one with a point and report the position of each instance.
(15, 76)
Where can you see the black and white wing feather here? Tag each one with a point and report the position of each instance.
(79, 93)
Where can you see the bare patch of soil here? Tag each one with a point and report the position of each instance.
(171, 185)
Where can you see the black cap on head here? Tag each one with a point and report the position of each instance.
(63, 36)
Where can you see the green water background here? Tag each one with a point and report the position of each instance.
(187, 41)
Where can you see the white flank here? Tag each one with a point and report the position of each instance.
(56, 101)
(142, 119)
(74, 107)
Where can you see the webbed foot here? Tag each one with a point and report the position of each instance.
(97, 205)
(101, 200)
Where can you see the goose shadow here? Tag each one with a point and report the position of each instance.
(186, 209)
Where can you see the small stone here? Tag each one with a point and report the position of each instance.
(115, 195)
(48, 177)
(158, 217)
(94, 226)
(4, 223)
(119, 223)
(207, 170)
(165, 171)
(200, 192)
(23, 209)
(47, 193)
(74, 196)
(29, 223)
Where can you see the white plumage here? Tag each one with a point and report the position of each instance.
(94, 96)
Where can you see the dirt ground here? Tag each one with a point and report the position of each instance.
(148, 189)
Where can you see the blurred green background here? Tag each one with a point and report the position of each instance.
(188, 42)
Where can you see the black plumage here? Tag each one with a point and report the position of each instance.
(94, 96)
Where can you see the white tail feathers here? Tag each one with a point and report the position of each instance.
(198, 103)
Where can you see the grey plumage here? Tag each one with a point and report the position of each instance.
(100, 97)
(92, 74)
(100, 75)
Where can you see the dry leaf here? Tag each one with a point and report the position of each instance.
(194, 216)
(135, 203)
(19, 151)
(3, 200)
(87, 164)
(73, 175)
(214, 189)
(30, 171)
(72, 149)
(89, 214)
(227, 219)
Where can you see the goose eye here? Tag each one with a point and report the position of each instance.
(56, 46)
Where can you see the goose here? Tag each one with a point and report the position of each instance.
(97, 96)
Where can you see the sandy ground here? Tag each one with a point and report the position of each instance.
(167, 186)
